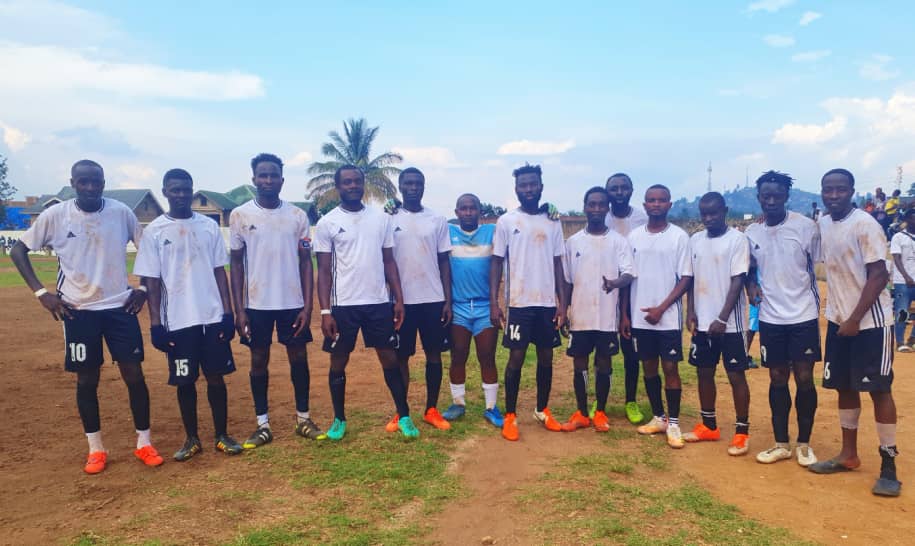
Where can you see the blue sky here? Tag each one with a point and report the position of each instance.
(465, 91)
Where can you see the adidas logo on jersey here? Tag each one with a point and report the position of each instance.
(252, 228)
(342, 230)
(70, 235)
(397, 229)
(578, 254)
(517, 231)
(167, 242)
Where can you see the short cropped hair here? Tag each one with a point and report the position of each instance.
(527, 168)
(268, 158)
(176, 174)
(844, 172)
(410, 170)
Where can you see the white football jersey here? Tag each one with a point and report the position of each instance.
(91, 250)
(903, 243)
(714, 261)
(660, 261)
(419, 237)
(530, 242)
(182, 253)
(848, 246)
(271, 239)
(784, 256)
(587, 260)
(355, 240)
(624, 226)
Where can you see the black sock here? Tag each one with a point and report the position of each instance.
(337, 382)
(259, 385)
(743, 424)
(218, 396)
(87, 403)
(433, 383)
(139, 404)
(673, 404)
(602, 388)
(806, 405)
(394, 380)
(780, 404)
(580, 383)
(631, 377)
(187, 403)
(653, 390)
(544, 385)
(708, 418)
(512, 386)
(301, 383)
(888, 462)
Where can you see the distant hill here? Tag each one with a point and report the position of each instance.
(743, 201)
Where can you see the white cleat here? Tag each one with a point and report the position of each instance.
(774, 454)
(805, 456)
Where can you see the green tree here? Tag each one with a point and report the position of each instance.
(354, 147)
(488, 210)
(6, 190)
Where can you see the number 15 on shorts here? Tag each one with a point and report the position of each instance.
(181, 367)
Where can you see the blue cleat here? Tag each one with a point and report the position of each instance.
(454, 411)
(494, 416)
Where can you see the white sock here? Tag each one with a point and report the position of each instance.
(848, 418)
(490, 394)
(263, 421)
(143, 438)
(457, 394)
(886, 433)
(302, 415)
(95, 441)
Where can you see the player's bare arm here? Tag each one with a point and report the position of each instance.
(692, 321)
(719, 325)
(325, 279)
(625, 320)
(135, 301)
(307, 280)
(877, 277)
(496, 316)
(653, 314)
(562, 293)
(52, 302)
(900, 267)
(157, 333)
(754, 291)
(392, 277)
(237, 272)
(444, 268)
(228, 319)
(623, 280)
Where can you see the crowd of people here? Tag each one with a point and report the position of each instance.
(404, 272)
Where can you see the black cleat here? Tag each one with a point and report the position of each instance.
(261, 436)
(307, 428)
(190, 448)
(228, 445)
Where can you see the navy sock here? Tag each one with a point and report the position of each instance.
(580, 383)
(87, 403)
(337, 382)
(743, 424)
(653, 390)
(512, 386)
(602, 388)
(780, 404)
(218, 397)
(259, 385)
(673, 404)
(433, 383)
(394, 380)
(708, 418)
(805, 402)
(301, 383)
(187, 403)
(544, 385)
(631, 367)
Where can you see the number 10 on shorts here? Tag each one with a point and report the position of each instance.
(77, 352)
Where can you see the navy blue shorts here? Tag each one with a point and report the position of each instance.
(196, 348)
(84, 332)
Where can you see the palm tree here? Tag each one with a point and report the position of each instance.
(353, 148)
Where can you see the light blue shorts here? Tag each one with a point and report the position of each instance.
(471, 315)
(754, 318)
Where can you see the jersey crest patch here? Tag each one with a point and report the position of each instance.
(305, 242)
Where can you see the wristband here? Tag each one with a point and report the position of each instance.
(41, 292)
(721, 321)
(325, 312)
(141, 288)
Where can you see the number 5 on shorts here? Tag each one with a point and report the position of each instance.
(181, 369)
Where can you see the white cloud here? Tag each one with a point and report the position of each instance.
(39, 68)
(794, 133)
(14, 138)
(770, 6)
(811, 56)
(778, 40)
(299, 159)
(494, 163)
(809, 17)
(535, 147)
(430, 156)
(876, 68)
(871, 156)
(135, 172)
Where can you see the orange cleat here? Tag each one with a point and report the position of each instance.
(702, 433)
(575, 422)
(601, 422)
(740, 445)
(510, 427)
(96, 462)
(434, 418)
(392, 424)
(149, 456)
(546, 417)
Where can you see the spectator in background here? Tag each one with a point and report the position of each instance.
(814, 212)
(891, 209)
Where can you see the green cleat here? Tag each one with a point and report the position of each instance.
(407, 428)
(337, 430)
(634, 413)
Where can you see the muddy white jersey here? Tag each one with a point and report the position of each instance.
(419, 237)
(903, 243)
(355, 241)
(271, 239)
(587, 260)
(660, 261)
(529, 243)
(714, 261)
(784, 256)
(91, 250)
(848, 246)
(624, 226)
(182, 253)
